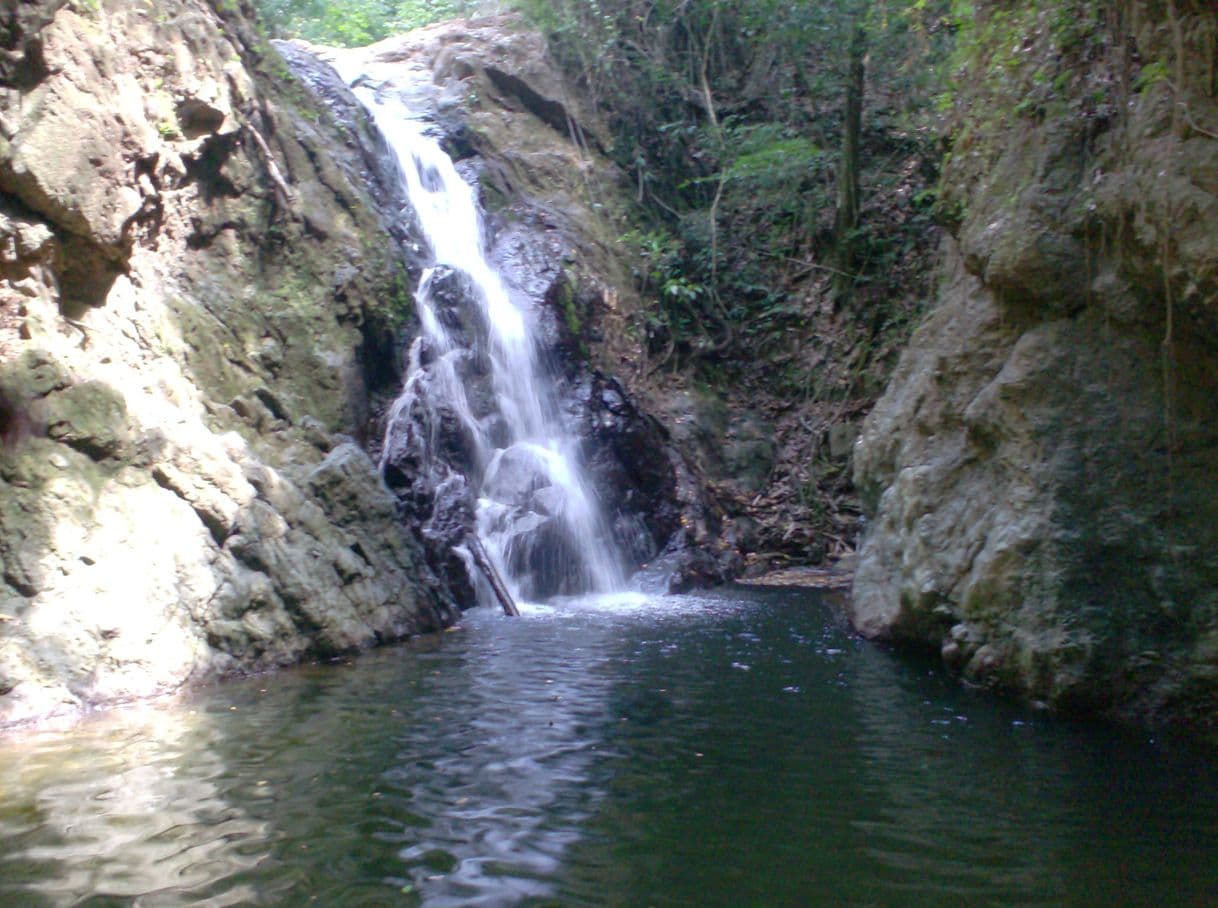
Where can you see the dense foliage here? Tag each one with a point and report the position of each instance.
(784, 156)
(352, 23)
(769, 195)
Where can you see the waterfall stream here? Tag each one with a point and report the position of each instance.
(477, 409)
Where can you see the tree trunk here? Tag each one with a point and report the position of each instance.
(847, 220)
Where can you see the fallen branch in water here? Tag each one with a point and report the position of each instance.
(483, 561)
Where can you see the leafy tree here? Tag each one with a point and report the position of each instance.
(352, 23)
(410, 14)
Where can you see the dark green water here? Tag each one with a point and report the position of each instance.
(736, 749)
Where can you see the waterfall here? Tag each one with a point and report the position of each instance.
(477, 414)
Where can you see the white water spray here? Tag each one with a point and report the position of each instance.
(524, 467)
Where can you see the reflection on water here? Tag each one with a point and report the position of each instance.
(126, 807)
(736, 749)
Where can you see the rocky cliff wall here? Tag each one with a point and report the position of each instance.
(1041, 472)
(196, 301)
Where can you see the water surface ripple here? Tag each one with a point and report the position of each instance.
(731, 749)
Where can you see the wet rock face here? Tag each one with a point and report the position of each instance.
(192, 276)
(663, 517)
(366, 163)
(1040, 472)
(632, 465)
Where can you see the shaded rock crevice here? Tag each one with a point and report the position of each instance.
(552, 112)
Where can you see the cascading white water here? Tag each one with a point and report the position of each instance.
(525, 438)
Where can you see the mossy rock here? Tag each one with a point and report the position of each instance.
(90, 417)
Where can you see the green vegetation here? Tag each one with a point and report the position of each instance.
(782, 155)
(352, 23)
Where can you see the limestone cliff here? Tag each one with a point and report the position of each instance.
(194, 283)
(1041, 470)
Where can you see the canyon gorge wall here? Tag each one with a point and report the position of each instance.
(1040, 474)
